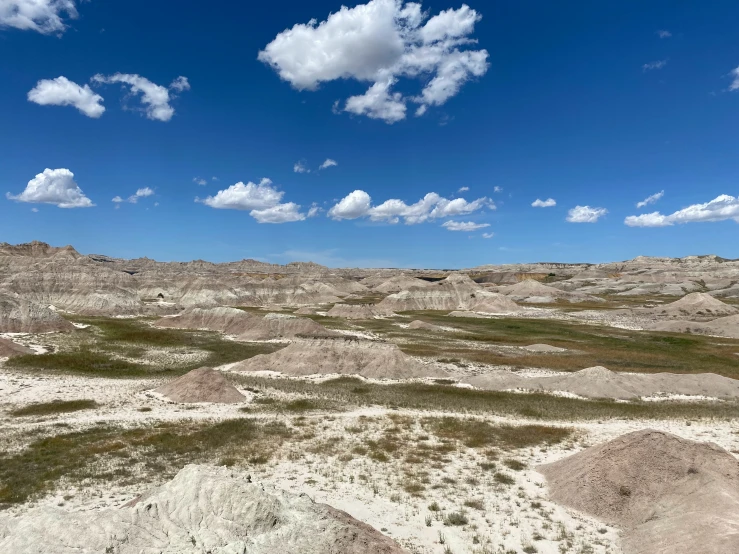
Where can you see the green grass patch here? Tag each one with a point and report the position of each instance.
(55, 407)
(477, 434)
(111, 453)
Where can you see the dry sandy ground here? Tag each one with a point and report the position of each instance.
(513, 516)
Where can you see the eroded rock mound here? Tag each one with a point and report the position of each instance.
(456, 292)
(532, 291)
(21, 316)
(400, 283)
(284, 326)
(720, 327)
(600, 382)
(344, 355)
(696, 304)
(358, 311)
(671, 495)
(201, 385)
(203, 509)
(9, 349)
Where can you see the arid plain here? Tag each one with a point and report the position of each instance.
(252, 408)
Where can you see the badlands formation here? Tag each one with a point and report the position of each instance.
(249, 407)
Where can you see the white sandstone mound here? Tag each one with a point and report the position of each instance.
(720, 327)
(418, 324)
(532, 291)
(400, 283)
(358, 311)
(9, 349)
(600, 382)
(696, 304)
(203, 384)
(543, 348)
(456, 292)
(203, 509)
(21, 316)
(243, 325)
(670, 495)
(345, 355)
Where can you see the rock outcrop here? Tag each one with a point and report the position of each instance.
(203, 384)
(18, 315)
(203, 509)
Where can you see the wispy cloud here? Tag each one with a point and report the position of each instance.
(651, 66)
(664, 34)
(199, 181)
(464, 226)
(585, 214)
(650, 199)
(328, 163)
(548, 203)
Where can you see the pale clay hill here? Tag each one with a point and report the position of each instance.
(9, 349)
(203, 509)
(18, 315)
(203, 384)
(345, 356)
(670, 495)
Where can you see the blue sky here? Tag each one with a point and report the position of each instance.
(597, 106)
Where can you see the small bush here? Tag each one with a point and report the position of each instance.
(503, 479)
(456, 518)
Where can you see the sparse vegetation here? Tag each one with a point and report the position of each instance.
(55, 407)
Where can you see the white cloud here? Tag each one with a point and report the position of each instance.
(432, 206)
(43, 16)
(155, 98)
(650, 199)
(721, 208)
(262, 200)
(664, 34)
(378, 103)
(300, 168)
(314, 210)
(585, 214)
(199, 181)
(214, 179)
(353, 205)
(63, 92)
(328, 163)
(134, 198)
(463, 189)
(735, 83)
(464, 225)
(548, 203)
(659, 64)
(488, 235)
(53, 186)
(379, 42)
(281, 213)
(497, 189)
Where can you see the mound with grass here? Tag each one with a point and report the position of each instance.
(456, 292)
(243, 325)
(547, 348)
(720, 327)
(21, 316)
(532, 291)
(203, 384)
(203, 509)
(670, 495)
(8, 349)
(358, 311)
(696, 305)
(418, 324)
(345, 355)
(600, 382)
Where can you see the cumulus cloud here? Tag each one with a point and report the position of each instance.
(43, 16)
(432, 206)
(300, 168)
(585, 214)
(354, 205)
(53, 186)
(464, 226)
(650, 199)
(659, 64)
(134, 198)
(199, 181)
(63, 92)
(380, 42)
(548, 203)
(328, 163)
(262, 200)
(664, 34)
(488, 235)
(155, 98)
(721, 208)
